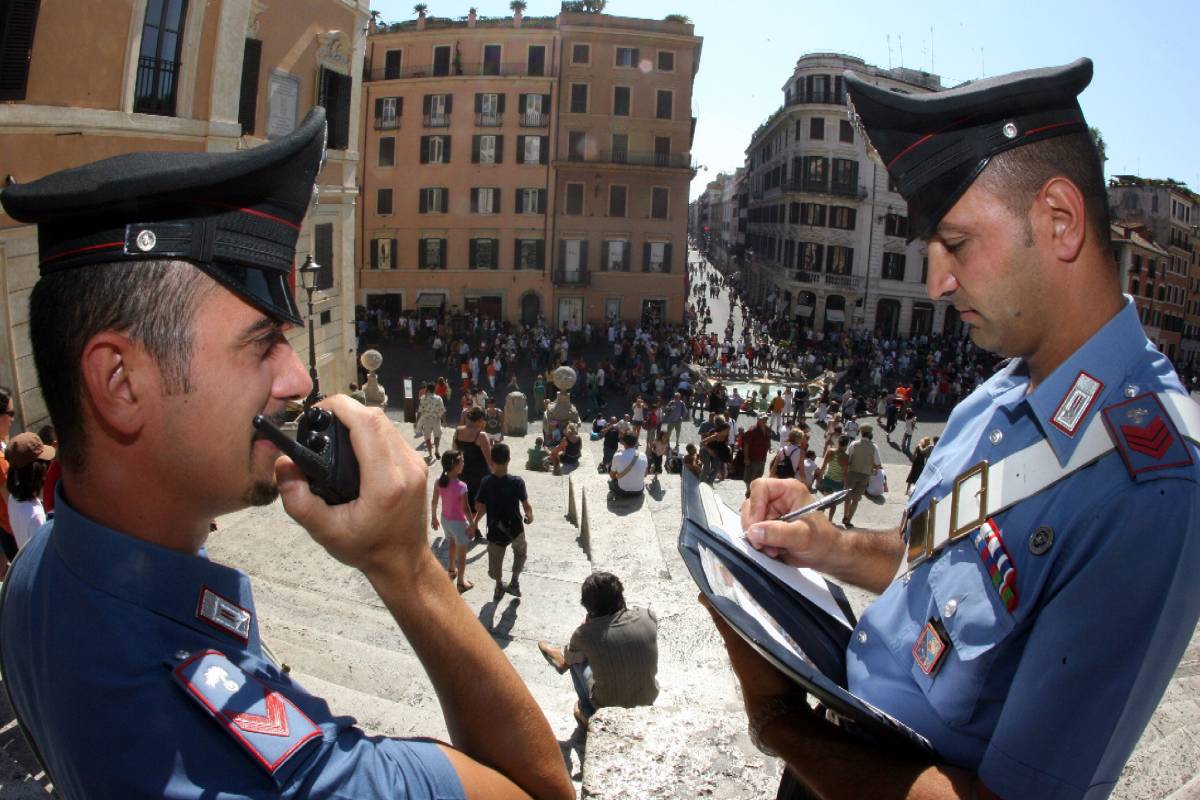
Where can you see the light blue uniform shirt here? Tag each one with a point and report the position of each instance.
(96, 626)
(1047, 700)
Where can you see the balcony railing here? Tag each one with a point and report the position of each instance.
(850, 283)
(571, 276)
(489, 120)
(534, 119)
(513, 70)
(154, 92)
(387, 123)
(646, 159)
(436, 121)
(841, 190)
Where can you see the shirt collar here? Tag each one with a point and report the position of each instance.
(1106, 358)
(156, 578)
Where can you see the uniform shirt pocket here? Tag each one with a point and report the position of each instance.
(964, 599)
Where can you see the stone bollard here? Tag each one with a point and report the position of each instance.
(516, 415)
(585, 533)
(572, 515)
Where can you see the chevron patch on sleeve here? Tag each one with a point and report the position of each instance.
(1145, 436)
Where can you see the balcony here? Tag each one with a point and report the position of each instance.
(849, 283)
(513, 70)
(838, 190)
(154, 92)
(387, 123)
(489, 120)
(636, 159)
(534, 119)
(436, 120)
(571, 276)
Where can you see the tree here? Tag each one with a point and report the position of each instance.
(419, 9)
(517, 6)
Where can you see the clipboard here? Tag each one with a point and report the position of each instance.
(796, 619)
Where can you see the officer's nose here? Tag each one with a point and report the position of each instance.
(292, 381)
(940, 281)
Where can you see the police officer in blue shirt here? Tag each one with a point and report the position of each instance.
(134, 663)
(1040, 590)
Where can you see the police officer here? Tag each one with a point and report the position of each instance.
(1041, 589)
(135, 663)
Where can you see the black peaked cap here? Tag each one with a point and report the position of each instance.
(934, 145)
(234, 215)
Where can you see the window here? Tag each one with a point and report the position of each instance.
(387, 112)
(816, 174)
(842, 217)
(489, 109)
(531, 200)
(323, 253)
(816, 128)
(383, 254)
(662, 150)
(247, 100)
(441, 60)
(487, 149)
(620, 148)
(437, 108)
(387, 151)
(434, 200)
(616, 256)
(627, 57)
(383, 201)
(579, 98)
(534, 110)
(532, 149)
(656, 257)
(576, 145)
(491, 59)
(811, 254)
(485, 201)
(431, 254)
(158, 59)
(893, 266)
(391, 64)
(536, 62)
(893, 184)
(812, 214)
(666, 61)
(484, 254)
(840, 260)
(581, 54)
(794, 215)
(895, 225)
(530, 254)
(435, 149)
(660, 198)
(845, 131)
(621, 101)
(334, 95)
(924, 270)
(574, 200)
(616, 200)
(845, 176)
(664, 100)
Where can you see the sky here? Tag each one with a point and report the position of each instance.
(1143, 97)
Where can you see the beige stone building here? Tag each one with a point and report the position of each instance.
(185, 76)
(526, 167)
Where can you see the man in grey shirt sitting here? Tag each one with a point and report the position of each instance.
(613, 655)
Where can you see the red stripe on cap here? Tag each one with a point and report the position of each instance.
(923, 140)
(1032, 131)
(256, 213)
(105, 246)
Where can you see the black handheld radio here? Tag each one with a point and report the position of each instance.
(321, 450)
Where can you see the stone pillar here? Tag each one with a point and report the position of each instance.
(906, 308)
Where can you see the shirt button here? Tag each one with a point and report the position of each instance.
(181, 654)
(862, 637)
(906, 578)
(949, 609)
(1131, 390)
(996, 436)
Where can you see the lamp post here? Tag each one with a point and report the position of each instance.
(308, 280)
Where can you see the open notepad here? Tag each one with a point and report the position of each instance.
(796, 618)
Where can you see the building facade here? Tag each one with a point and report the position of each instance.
(528, 167)
(826, 241)
(180, 76)
(1143, 265)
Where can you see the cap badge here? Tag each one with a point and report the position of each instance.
(146, 240)
(1137, 415)
(1009, 130)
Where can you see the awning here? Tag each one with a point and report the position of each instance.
(835, 315)
(431, 300)
(804, 311)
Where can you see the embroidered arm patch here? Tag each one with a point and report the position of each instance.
(268, 726)
(1145, 436)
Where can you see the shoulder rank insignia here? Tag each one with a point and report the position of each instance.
(990, 547)
(268, 726)
(1145, 436)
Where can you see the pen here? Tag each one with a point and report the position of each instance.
(824, 502)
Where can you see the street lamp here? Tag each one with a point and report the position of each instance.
(308, 280)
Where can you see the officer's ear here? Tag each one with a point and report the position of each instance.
(118, 378)
(1060, 212)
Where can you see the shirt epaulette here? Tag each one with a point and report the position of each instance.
(1147, 439)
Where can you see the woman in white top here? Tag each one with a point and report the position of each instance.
(28, 461)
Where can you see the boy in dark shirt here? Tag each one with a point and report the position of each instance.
(498, 497)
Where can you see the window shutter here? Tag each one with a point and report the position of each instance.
(478, 103)
(541, 254)
(562, 254)
(545, 104)
(667, 258)
(421, 264)
(392, 255)
(424, 149)
(399, 106)
(519, 206)
(604, 248)
(626, 255)
(520, 103)
(516, 253)
(853, 216)
(248, 100)
(499, 149)
(16, 47)
(583, 256)
(445, 149)
(645, 257)
(374, 254)
(471, 251)
(423, 203)
(445, 199)
(541, 201)
(495, 200)
(543, 149)
(449, 103)
(500, 103)
(475, 149)
(378, 108)
(520, 150)
(475, 201)
(495, 254)
(427, 104)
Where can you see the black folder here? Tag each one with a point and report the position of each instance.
(779, 621)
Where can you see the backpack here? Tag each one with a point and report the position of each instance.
(784, 467)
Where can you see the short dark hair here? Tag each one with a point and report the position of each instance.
(602, 594)
(25, 483)
(154, 302)
(629, 440)
(1016, 176)
(47, 434)
(5, 398)
(500, 454)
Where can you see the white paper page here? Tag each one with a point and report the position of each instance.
(807, 582)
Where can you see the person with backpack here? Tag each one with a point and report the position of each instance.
(789, 461)
(756, 446)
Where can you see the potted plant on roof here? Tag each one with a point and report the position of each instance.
(420, 10)
(518, 9)
(472, 16)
